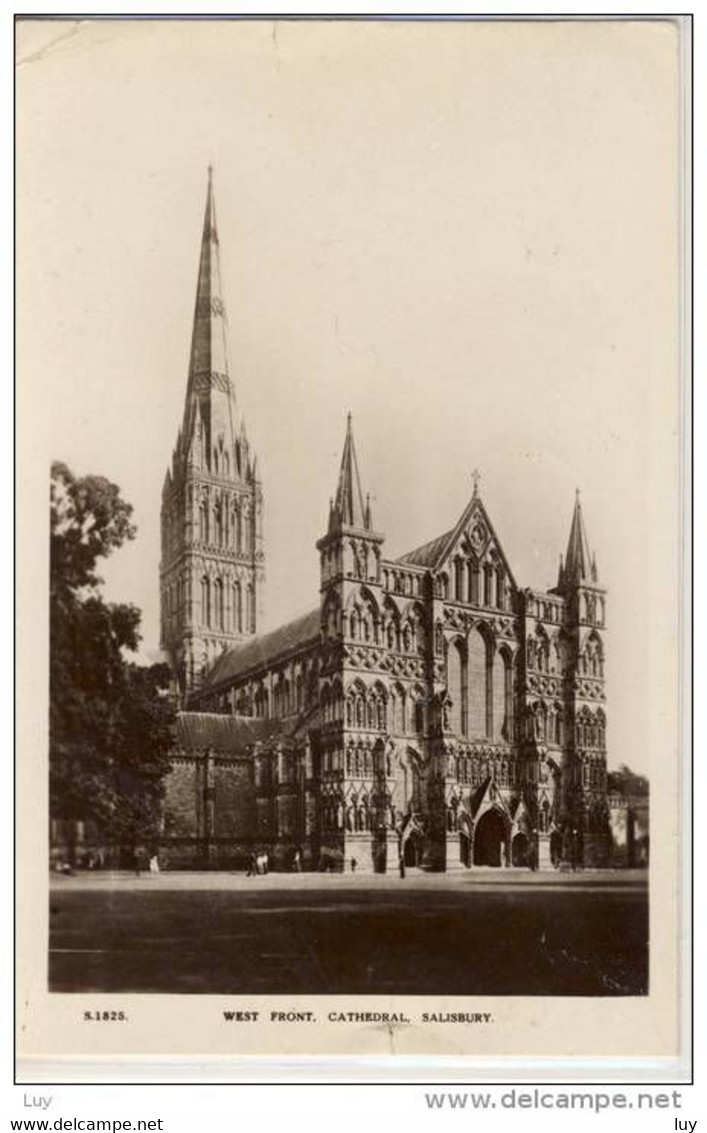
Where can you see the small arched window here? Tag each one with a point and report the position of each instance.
(205, 601)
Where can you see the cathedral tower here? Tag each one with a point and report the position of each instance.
(585, 805)
(350, 551)
(212, 566)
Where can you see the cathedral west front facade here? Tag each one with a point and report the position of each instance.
(429, 710)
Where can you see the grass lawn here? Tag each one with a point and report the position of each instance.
(480, 933)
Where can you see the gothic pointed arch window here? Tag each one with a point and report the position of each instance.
(473, 569)
(250, 611)
(500, 588)
(397, 710)
(457, 662)
(488, 584)
(237, 607)
(214, 526)
(459, 580)
(325, 702)
(419, 715)
(203, 522)
(558, 720)
(498, 706)
(218, 604)
(480, 684)
(509, 696)
(205, 601)
(601, 729)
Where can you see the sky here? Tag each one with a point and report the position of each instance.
(466, 235)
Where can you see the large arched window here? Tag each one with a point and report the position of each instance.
(479, 685)
(457, 687)
(499, 695)
(509, 709)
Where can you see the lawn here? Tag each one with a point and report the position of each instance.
(495, 933)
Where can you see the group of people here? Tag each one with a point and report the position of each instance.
(258, 864)
(140, 859)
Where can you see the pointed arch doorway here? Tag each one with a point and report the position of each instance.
(520, 850)
(490, 840)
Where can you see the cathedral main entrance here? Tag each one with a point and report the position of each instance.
(489, 840)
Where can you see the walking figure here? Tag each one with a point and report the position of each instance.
(354, 863)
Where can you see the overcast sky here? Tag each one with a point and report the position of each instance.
(464, 234)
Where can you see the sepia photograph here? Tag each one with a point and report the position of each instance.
(349, 410)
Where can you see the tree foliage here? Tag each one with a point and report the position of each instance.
(110, 719)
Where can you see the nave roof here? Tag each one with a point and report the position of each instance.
(263, 649)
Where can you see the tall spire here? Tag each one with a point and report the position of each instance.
(209, 387)
(579, 566)
(348, 510)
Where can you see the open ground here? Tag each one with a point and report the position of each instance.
(486, 932)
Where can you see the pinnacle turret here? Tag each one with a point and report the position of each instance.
(579, 564)
(348, 510)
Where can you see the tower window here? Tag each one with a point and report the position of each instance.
(205, 602)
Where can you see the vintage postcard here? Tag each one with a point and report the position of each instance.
(350, 417)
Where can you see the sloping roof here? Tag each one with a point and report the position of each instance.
(196, 730)
(426, 556)
(264, 649)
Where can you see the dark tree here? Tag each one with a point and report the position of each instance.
(110, 720)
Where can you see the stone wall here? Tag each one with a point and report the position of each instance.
(209, 812)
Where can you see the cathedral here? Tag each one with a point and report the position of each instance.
(430, 712)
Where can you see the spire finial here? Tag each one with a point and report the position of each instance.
(476, 476)
(349, 498)
(211, 171)
(578, 562)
